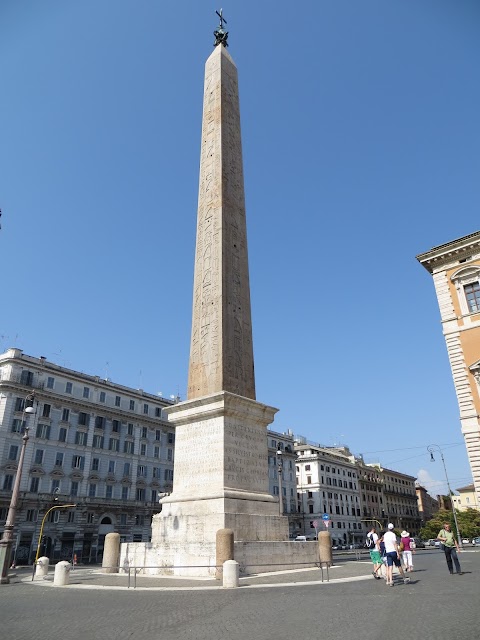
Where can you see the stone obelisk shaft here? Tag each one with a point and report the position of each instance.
(221, 353)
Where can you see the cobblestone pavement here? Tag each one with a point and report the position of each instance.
(352, 605)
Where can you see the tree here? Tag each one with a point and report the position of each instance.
(468, 522)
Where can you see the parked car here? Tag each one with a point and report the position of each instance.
(465, 541)
(419, 544)
(430, 542)
(438, 543)
(476, 541)
(301, 539)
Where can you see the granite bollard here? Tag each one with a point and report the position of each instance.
(62, 574)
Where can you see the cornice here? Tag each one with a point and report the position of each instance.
(453, 251)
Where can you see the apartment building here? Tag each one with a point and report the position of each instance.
(99, 445)
(327, 483)
(281, 473)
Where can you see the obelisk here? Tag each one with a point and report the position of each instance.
(220, 469)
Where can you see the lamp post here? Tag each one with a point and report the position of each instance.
(280, 491)
(434, 447)
(7, 539)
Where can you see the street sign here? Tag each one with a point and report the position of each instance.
(326, 523)
(315, 524)
(325, 517)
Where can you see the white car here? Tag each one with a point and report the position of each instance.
(465, 541)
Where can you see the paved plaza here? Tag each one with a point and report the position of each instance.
(266, 607)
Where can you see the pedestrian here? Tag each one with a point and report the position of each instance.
(376, 558)
(408, 544)
(450, 547)
(393, 555)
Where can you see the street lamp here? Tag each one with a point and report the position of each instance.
(280, 469)
(434, 447)
(7, 539)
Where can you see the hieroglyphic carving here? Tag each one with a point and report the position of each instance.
(221, 354)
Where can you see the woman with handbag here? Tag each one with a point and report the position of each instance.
(450, 547)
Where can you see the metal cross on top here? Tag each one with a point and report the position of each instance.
(222, 19)
(220, 34)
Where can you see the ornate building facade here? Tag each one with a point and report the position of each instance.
(455, 268)
(104, 447)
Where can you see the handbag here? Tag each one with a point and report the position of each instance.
(401, 546)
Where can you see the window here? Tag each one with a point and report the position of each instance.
(139, 520)
(100, 422)
(55, 486)
(65, 415)
(124, 493)
(90, 518)
(307, 467)
(102, 396)
(71, 516)
(46, 410)
(130, 429)
(116, 426)
(43, 431)
(126, 469)
(170, 455)
(472, 294)
(59, 459)
(132, 405)
(26, 378)
(68, 387)
(158, 435)
(157, 472)
(50, 382)
(171, 438)
(123, 519)
(39, 456)
(154, 495)
(143, 449)
(111, 466)
(158, 412)
(74, 489)
(13, 452)
(309, 479)
(168, 475)
(95, 464)
(62, 434)
(78, 462)
(109, 491)
(81, 438)
(156, 452)
(113, 444)
(141, 471)
(19, 404)
(140, 494)
(34, 484)
(53, 516)
(144, 432)
(98, 442)
(32, 515)
(83, 419)
(8, 482)
(117, 401)
(128, 447)
(18, 426)
(92, 490)
(86, 392)
(145, 409)
(310, 508)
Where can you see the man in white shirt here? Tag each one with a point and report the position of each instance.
(393, 555)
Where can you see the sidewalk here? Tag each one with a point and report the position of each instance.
(343, 570)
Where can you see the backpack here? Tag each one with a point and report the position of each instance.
(370, 542)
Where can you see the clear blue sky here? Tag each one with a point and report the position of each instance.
(361, 150)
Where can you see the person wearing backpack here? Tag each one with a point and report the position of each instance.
(376, 558)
